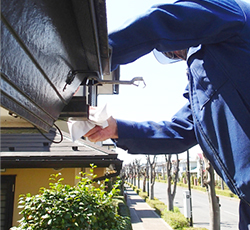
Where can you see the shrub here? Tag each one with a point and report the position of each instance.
(137, 190)
(143, 195)
(123, 210)
(159, 208)
(154, 202)
(175, 219)
(84, 206)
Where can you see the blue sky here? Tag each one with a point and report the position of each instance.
(165, 84)
(162, 96)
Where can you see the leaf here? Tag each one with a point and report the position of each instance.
(50, 222)
(68, 207)
(46, 216)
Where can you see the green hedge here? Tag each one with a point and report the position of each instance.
(84, 206)
(175, 219)
(123, 210)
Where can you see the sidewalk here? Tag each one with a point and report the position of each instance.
(143, 217)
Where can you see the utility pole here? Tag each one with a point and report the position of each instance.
(189, 188)
(148, 175)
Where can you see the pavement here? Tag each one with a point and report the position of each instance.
(143, 217)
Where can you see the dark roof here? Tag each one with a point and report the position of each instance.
(48, 49)
(32, 150)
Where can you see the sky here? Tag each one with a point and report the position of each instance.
(163, 95)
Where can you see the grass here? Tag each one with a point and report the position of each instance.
(226, 192)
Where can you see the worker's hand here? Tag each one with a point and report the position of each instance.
(99, 134)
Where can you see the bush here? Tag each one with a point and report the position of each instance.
(143, 195)
(159, 208)
(175, 219)
(154, 202)
(123, 210)
(84, 206)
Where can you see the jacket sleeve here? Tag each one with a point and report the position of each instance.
(176, 26)
(158, 138)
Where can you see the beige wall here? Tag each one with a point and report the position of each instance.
(31, 180)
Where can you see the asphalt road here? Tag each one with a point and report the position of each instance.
(200, 207)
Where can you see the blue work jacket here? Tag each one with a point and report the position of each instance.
(217, 115)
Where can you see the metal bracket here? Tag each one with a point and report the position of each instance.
(133, 81)
(98, 81)
(72, 73)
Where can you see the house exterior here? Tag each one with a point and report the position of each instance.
(28, 159)
(194, 164)
(54, 64)
(50, 49)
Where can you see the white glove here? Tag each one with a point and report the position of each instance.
(97, 116)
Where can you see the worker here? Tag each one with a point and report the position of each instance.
(213, 36)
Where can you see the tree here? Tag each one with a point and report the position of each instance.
(222, 184)
(134, 173)
(138, 170)
(209, 182)
(152, 164)
(171, 191)
(126, 169)
(144, 174)
(201, 162)
(131, 172)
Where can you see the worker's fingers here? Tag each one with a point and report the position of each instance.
(98, 134)
(92, 131)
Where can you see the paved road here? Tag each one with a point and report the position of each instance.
(200, 206)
